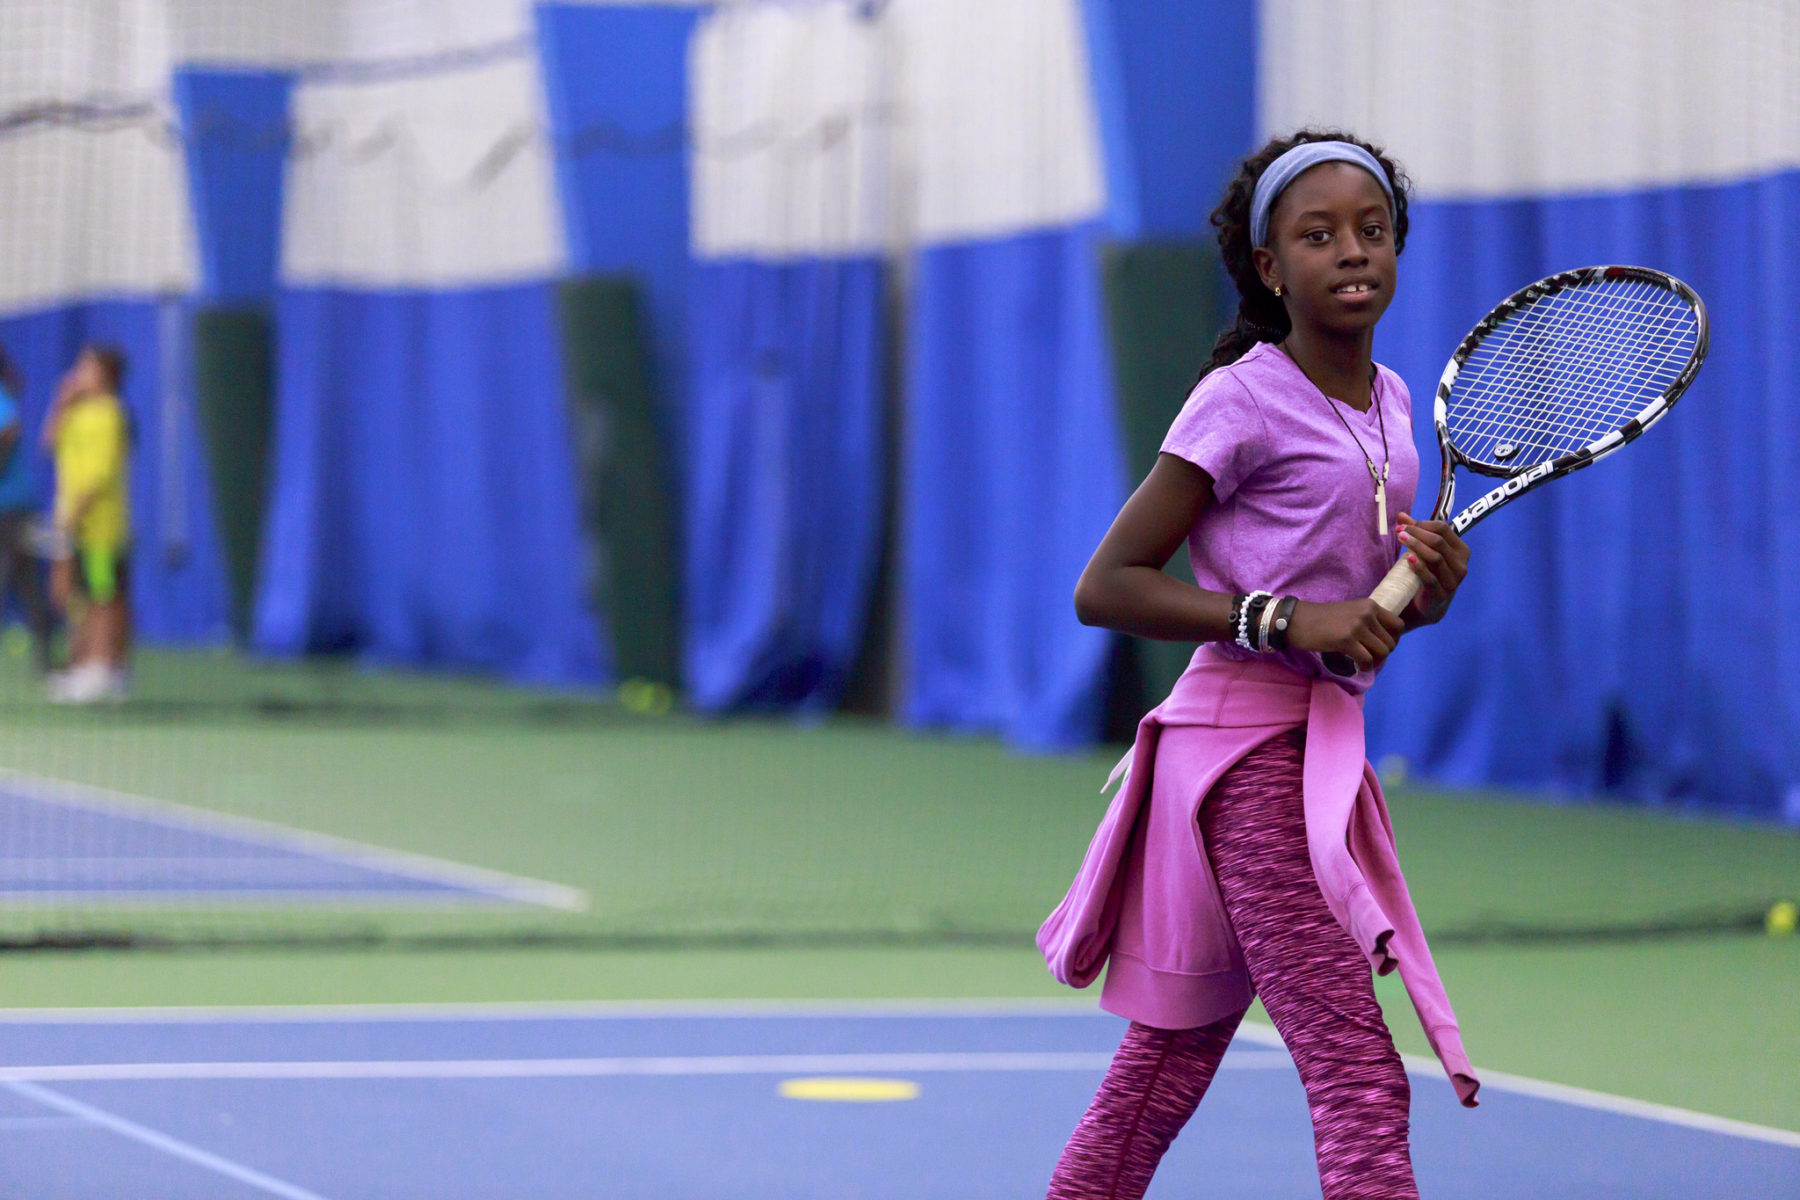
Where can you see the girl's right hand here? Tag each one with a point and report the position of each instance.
(1361, 629)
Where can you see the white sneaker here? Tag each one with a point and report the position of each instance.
(85, 684)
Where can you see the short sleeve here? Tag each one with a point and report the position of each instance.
(1220, 430)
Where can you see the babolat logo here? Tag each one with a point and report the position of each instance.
(1500, 495)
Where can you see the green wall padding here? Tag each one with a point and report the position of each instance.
(234, 385)
(1162, 305)
(627, 499)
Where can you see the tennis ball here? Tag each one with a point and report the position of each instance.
(646, 698)
(1781, 918)
(634, 695)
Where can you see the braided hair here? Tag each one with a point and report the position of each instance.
(1261, 317)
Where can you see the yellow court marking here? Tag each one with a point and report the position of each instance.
(854, 1091)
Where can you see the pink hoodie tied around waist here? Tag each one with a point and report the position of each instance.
(1145, 896)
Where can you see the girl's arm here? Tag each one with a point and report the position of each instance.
(59, 408)
(1124, 587)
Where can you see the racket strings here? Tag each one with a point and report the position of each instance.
(1602, 355)
(1591, 386)
(1561, 402)
(1568, 369)
(1602, 349)
(1593, 382)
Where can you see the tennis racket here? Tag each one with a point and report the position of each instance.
(1557, 377)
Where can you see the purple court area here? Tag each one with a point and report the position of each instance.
(460, 1105)
(65, 843)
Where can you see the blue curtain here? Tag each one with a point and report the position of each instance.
(235, 123)
(177, 575)
(1635, 628)
(785, 479)
(1174, 85)
(616, 83)
(423, 507)
(1013, 471)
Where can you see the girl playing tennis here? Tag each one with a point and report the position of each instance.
(1248, 852)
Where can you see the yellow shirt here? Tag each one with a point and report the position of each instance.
(91, 452)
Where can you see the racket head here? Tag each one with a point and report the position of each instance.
(1565, 371)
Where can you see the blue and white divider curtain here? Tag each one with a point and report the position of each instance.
(97, 245)
(1012, 461)
(423, 508)
(786, 456)
(1636, 627)
(234, 123)
(616, 77)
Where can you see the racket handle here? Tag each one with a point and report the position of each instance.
(1397, 588)
(1394, 593)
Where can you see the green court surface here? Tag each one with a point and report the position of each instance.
(759, 859)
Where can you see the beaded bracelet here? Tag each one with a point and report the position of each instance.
(1249, 616)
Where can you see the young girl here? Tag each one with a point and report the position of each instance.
(1249, 852)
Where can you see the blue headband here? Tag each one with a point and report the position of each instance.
(1288, 167)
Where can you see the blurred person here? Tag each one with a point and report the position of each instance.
(1249, 853)
(89, 437)
(20, 576)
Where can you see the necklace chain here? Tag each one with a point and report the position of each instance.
(1374, 400)
(1379, 478)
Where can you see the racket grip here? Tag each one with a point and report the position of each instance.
(1394, 593)
(1397, 587)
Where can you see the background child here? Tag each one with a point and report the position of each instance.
(88, 435)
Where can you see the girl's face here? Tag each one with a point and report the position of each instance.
(1331, 249)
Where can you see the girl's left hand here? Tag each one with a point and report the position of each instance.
(1441, 559)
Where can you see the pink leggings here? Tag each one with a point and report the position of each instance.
(1314, 983)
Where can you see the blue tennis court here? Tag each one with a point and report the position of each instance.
(459, 1104)
(63, 842)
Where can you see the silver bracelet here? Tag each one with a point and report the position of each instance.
(1268, 624)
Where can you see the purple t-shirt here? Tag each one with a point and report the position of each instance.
(1296, 507)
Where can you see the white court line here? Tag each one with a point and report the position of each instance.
(1564, 1093)
(518, 889)
(1426, 1066)
(558, 1010)
(159, 1141)
(596, 1068)
(1421, 1065)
